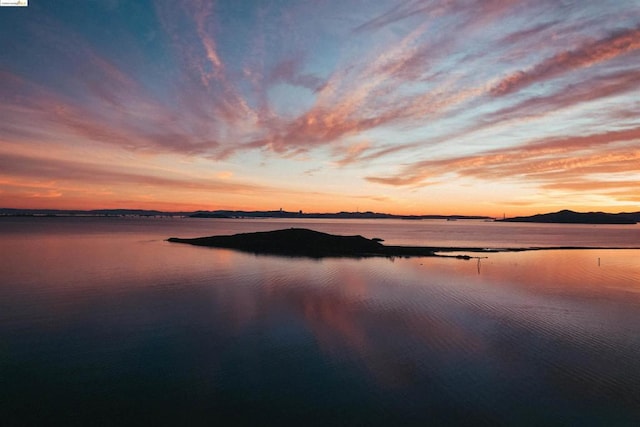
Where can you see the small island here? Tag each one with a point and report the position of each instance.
(315, 244)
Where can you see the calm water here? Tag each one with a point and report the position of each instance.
(103, 322)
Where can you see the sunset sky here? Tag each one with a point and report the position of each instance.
(409, 107)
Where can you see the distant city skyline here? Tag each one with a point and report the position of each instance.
(410, 107)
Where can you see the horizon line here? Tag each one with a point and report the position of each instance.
(301, 212)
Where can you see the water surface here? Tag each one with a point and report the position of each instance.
(104, 322)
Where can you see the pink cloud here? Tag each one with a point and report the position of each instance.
(351, 153)
(206, 88)
(588, 54)
(543, 160)
(397, 13)
(152, 128)
(521, 36)
(288, 71)
(42, 168)
(588, 90)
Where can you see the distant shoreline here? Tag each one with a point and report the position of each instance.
(224, 214)
(560, 217)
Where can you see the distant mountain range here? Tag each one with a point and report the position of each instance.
(563, 216)
(224, 214)
(570, 217)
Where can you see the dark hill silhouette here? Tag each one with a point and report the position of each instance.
(570, 217)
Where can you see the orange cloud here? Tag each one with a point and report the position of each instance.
(14, 166)
(352, 153)
(540, 160)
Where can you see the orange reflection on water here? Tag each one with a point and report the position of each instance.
(352, 317)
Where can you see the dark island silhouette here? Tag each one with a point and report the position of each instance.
(302, 242)
(566, 216)
(315, 244)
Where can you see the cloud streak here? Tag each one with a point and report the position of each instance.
(589, 54)
(546, 161)
(42, 168)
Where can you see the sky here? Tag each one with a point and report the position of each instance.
(484, 107)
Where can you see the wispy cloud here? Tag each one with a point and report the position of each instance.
(590, 53)
(592, 89)
(289, 71)
(401, 11)
(352, 153)
(541, 161)
(43, 168)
